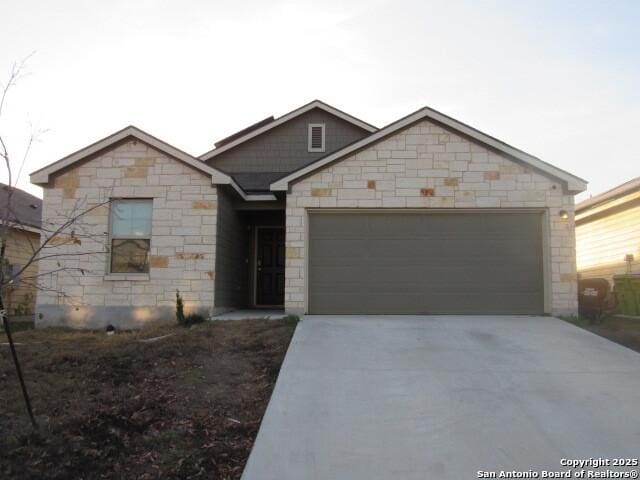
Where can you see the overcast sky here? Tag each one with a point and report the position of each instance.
(558, 79)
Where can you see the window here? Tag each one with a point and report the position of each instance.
(8, 272)
(130, 235)
(316, 137)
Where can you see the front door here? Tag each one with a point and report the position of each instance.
(270, 266)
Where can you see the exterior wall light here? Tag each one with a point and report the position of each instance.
(564, 215)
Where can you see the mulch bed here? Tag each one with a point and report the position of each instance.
(187, 405)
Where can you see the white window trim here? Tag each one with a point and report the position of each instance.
(311, 127)
(119, 275)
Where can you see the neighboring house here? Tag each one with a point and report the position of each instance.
(316, 212)
(20, 214)
(608, 233)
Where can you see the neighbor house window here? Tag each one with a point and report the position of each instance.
(9, 271)
(316, 137)
(130, 235)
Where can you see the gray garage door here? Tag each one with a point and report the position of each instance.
(425, 263)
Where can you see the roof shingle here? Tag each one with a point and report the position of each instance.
(23, 208)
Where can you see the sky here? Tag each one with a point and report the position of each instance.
(557, 79)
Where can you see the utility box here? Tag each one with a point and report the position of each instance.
(627, 290)
(592, 296)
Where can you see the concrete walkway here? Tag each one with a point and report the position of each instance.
(443, 397)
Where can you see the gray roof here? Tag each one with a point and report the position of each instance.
(244, 131)
(23, 208)
(619, 191)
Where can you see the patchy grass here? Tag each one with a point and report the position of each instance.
(17, 326)
(625, 331)
(185, 406)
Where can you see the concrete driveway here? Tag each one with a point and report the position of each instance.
(444, 397)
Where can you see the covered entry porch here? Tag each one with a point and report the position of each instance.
(250, 256)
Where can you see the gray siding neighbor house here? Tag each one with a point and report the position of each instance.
(315, 212)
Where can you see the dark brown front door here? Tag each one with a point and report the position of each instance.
(270, 267)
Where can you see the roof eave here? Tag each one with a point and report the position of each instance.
(25, 227)
(251, 197)
(576, 187)
(42, 176)
(619, 191)
(285, 118)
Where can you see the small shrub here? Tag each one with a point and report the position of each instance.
(193, 318)
(186, 320)
(292, 321)
(22, 309)
(180, 309)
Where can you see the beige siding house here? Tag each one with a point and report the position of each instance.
(20, 213)
(20, 297)
(608, 233)
(312, 212)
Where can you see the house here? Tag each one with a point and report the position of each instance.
(20, 226)
(315, 211)
(608, 232)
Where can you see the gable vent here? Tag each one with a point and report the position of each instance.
(316, 137)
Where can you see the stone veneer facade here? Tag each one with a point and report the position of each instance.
(81, 292)
(427, 166)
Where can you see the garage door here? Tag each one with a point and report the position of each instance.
(425, 263)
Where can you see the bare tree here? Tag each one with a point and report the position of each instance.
(68, 230)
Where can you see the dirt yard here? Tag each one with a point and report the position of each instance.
(112, 407)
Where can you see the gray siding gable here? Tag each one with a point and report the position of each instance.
(284, 149)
